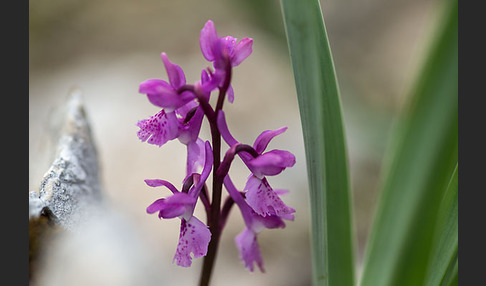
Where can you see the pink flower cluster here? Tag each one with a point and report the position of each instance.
(184, 106)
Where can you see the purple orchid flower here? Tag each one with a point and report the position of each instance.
(223, 52)
(194, 235)
(218, 50)
(246, 241)
(172, 121)
(182, 115)
(259, 195)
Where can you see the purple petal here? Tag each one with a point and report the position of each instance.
(174, 72)
(195, 157)
(156, 206)
(247, 244)
(176, 202)
(162, 94)
(242, 50)
(159, 128)
(168, 100)
(263, 200)
(189, 131)
(269, 221)
(265, 137)
(176, 205)
(208, 165)
(223, 129)
(234, 193)
(158, 183)
(208, 40)
(229, 44)
(204, 77)
(246, 210)
(231, 94)
(153, 85)
(271, 163)
(194, 238)
(253, 221)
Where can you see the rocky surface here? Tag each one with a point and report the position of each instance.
(71, 188)
(76, 237)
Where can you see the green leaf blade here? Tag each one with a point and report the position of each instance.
(451, 277)
(320, 111)
(444, 254)
(419, 166)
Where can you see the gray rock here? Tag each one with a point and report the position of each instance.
(71, 188)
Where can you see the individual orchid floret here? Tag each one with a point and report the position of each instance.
(194, 235)
(224, 53)
(269, 163)
(260, 196)
(219, 50)
(173, 121)
(246, 241)
(183, 123)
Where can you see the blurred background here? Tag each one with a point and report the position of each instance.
(107, 48)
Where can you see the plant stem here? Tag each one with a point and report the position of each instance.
(213, 222)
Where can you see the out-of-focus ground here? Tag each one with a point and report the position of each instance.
(106, 48)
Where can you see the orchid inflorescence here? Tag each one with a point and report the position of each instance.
(183, 108)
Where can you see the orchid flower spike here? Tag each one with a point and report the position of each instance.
(183, 107)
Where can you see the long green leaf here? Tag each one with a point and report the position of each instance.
(320, 112)
(451, 277)
(418, 168)
(444, 254)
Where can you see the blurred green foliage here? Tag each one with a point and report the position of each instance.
(408, 230)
